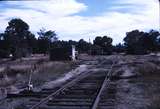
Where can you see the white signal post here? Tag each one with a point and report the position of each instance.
(73, 52)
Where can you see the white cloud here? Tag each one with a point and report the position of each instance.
(60, 15)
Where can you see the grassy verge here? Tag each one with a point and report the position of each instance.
(42, 71)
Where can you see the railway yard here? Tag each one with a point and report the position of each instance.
(96, 82)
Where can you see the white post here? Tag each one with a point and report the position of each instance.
(73, 52)
(30, 86)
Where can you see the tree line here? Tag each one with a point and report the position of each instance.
(19, 41)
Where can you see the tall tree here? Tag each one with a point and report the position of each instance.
(132, 42)
(83, 46)
(154, 40)
(138, 42)
(3, 47)
(16, 35)
(98, 41)
(45, 39)
(105, 43)
(48, 35)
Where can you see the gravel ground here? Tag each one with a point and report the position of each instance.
(137, 77)
(140, 93)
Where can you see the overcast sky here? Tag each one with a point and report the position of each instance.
(76, 19)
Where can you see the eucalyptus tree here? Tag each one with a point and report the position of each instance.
(16, 36)
(45, 40)
(105, 43)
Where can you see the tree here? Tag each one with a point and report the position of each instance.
(83, 46)
(105, 43)
(16, 35)
(132, 42)
(32, 43)
(98, 41)
(137, 42)
(154, 40)
(45, 40)
(3, 47)
(48, 35)
(119, 48)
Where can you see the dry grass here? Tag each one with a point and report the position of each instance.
(51, 71)
(17, 73)
(148, 69)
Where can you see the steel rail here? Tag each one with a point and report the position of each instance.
(104, 84)
(51, 96)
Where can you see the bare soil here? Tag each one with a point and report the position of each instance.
(137, 77)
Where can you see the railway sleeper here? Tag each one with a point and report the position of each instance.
(64, 107)
(85, 92)
(75, 96)
(106, 107)
(73, 100)
(88, 85)
(36, 95)
(90, 82)
(84, 88)
(64, 99)
(98, 77)
(93, 79)
(63, 103)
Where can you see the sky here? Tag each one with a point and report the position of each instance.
(77, 19)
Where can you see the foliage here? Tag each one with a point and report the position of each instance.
(83, 46)
(47, 35)
(138, 42)
(45, 39)
(105, 43)
(119, 48)
(17, 38)
(19, 41)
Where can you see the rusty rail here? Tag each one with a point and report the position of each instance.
(51, 96)
(105, 84)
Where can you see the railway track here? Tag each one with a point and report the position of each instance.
(91, 90)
